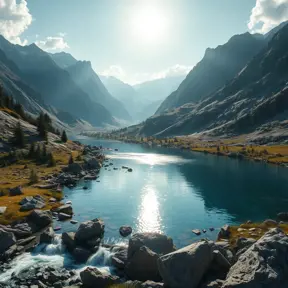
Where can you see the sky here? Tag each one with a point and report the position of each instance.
(136, 40)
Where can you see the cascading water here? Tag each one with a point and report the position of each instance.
(55, 255)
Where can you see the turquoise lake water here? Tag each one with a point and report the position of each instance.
(172, 192)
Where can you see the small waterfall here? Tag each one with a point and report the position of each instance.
(101, 258)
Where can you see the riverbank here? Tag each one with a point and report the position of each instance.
(238, 147)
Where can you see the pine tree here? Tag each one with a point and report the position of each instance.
(31, 153)
(19, 110)
(64, 137)
(38, 154)
(33, 177)
(51, 160)
(42, 126)
(71, 161)
(44, 154)
(18, 136)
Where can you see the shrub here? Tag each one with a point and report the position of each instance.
(33, 177)
(64, 137)
(51, 160)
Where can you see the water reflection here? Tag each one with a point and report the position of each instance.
(149, 219)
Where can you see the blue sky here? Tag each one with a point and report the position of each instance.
(121, 37)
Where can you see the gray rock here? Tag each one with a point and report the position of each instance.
(63, 216)
(244, 243)
(7, 239)
(27, 207)
(264, 264)
(73, 221)
(26, 199)
(117, 263)
(143, 265)
(270, 222)
(283, 216)
(125, 231)
(224, 232)
(66, 209)
(47, 236)
(187, 266)
(68, 239)
(74, 168)
(3, 210)
(158, 243)
(90, 229)
(15, 191)
(81, 254)
(92, 277)
(92, 163)
(40, 218)
(220, 262)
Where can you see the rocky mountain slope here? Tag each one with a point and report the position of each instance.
(255, 97)
(36, 68)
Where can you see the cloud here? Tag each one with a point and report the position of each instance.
(120, 73)
(52, 43)
(14, 20)
(267, 14)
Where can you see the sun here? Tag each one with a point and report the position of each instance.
(149, 24)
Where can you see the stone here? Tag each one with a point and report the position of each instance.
(283, 216)
(57, 228)
(142, 265)
(7, 239)
(73, 222)
(130, 170)
(47, 236)
(264, 264)
(92, 163)
(90, 229)
(158, 243)
(244, 243)
(40, 218)
(187, 266)
(117, 263)
(196, 232)
(92, 277)
(63, 216)
(66, 209)
(25, 241)
(27, 207)
(3, 210)
(68, 202)
(15, 191)
(26, 199)
(220, 262)
(68, 239)
(52, 200)
(74, 168)
(270, 223)
(224, 232)
(81, 254)
(125, 231)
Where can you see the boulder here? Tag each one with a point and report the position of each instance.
(142, 265)
(158, 243)
(283, 216)
(224, 232)
(66, 209)
(81, 254)
(264, 264)
(7, 239)
(92, 277)
(90, 229)
(15, 191)
(125, 231)
(47, 236)
(40, 218)
(117, 263)
(92, 163)
(63, 216)
(74, 168)
(68, 240)
(186, 267)
(270, 223)
(26, 199)
(3, 210)
(27, 207)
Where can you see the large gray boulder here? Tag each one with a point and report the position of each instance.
(68, 239)
(158, 243)
(92, 277)
(186, 267)
(142, 265)
(74, 168)
(47, 236)
(92, 163)
(264, 264)
(89, 230)
(66, 209)
(81, 254)
(7, 239)
(15, 191)
(40, 218)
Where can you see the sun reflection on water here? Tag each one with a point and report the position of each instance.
(149, 219)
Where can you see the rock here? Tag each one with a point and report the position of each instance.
(90, 229)
(26, 199)
(264, 264)
(66, 209)
(283, 216)
(68, 239)
(57, 228)
(211, 229)
(270, 223)
(158, 243)
(63, 216)
(52, 200)
(40, 218)
(68, 202)
(125, 231)
(7, 239)
(15, 191)
(85, 187)
(90, 177)
(47, 236)
(143, 265)
(73, 221)
(92, 277)
(3, 210)
(130, 170)
(187, 266)
(81, 254)
(74, 168)
(92, 163)
(196, 232)
(224, 232)
(27, 207)
(220, 262)
(117, 263)
(244, 243)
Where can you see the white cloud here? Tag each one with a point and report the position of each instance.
(15, 18)
(120, 73)
(52, 43)
(267, 14)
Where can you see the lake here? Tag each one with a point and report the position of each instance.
(172, 192)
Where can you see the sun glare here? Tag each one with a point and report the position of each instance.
(149, 24)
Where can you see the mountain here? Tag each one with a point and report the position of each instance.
(56, 86)
(84, 76)
(256, 99)
(63, 59)
(217, 67)
(141, 100)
